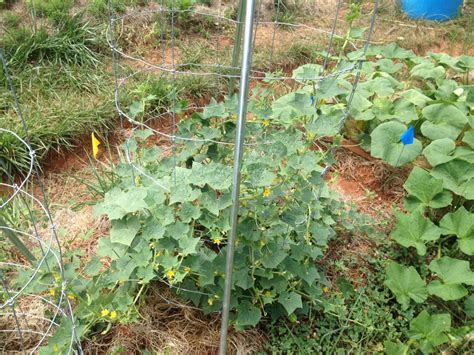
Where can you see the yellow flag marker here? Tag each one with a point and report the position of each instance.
(95, 146)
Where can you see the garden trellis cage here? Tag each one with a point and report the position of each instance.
(34, 300)
(227, 68)
(257, 36)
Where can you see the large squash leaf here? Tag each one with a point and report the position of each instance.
(386, 144)
(425, 191)
(453, 275)
(414, 230)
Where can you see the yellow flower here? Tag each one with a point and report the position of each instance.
(170, 274)
(104, 313)
(266, 123)
(56, 348)
(210, 301)
(216, 241)
(266, 192)
(95, 146)
(52, 292)
(71, 297)
(113, 315)
(325, 289)
(158, 253)
(187, 269)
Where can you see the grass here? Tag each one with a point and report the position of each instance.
(356, 311)
(60, 105)
(75, 45)
(62, 79)
(297, 53)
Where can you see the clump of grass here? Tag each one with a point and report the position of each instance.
(197, 86)
(287, 57)
(100, 8)
(5, 4)
(74, 44)
(60, 104)
(10, 20)
(56, 10)
(193, 52)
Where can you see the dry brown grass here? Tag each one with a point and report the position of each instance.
(31, 313)
(168, 326)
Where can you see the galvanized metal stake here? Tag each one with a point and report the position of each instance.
(237, 44)
(239, 145)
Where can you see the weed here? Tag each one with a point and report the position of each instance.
(196, 86)
(60, 105)
(295, 54)
(56, 10)
(10, 20)
(194, 52)
(75, 44)
(100, 8)
(5, 4)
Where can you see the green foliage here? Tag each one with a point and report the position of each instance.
(171, 225)
(74, 100)
(57, 10)
(388, 100)
(430, 331)
(10, 19)
(406, 284)
(74, 44)
(387, 146)
(440, 226)
(355, 313)
(5, 4)
(275, 269)
(100, 8)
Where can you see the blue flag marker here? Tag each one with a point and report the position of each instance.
(408, 136)
(312, 100)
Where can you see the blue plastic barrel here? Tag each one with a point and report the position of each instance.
(435, 10)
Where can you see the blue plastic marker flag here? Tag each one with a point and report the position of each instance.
(312, 100)
(408, 136)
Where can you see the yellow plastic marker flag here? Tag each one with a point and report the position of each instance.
(95, 146)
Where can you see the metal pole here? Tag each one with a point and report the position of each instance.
(237, 43)
(239, 144)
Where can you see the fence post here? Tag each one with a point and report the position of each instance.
(239, 145)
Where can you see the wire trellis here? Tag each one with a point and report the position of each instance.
(34, 301)
(221, 70)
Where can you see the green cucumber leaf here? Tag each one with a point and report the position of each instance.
(247, 314)
(123, 231)
(290, 301)
(118, 203)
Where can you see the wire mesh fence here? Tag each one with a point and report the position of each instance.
(34, 300)
(227, 68)
(35, 304)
